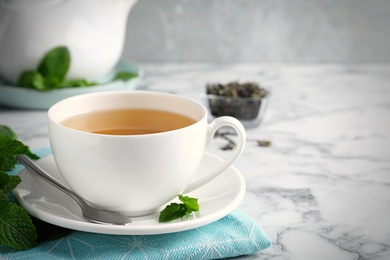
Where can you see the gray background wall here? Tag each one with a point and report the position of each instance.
(302, 31)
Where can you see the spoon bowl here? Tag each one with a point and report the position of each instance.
(90, 213)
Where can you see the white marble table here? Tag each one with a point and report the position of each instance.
(322, 190)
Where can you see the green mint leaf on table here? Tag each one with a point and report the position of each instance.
(8, 182)
(18, 223)
(16, 228)
(5, 130)
(9, 149)
(3, 198)
(178, 210)
(4, 180)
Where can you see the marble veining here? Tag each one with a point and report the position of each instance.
(322, 189)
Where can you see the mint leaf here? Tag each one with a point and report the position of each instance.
(10, 183)
(31, 79)
(52, 69)
(125, 75)
(16, 228)
(9, 148)
(3, 199)
(71, 83)
(7, 152)
(4, 180)
(54, 66)
(178, 210)
(5, 130)
(172, 211)
(191, 203)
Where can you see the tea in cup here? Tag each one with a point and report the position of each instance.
(134, 151)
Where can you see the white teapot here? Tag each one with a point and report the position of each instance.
(93, 30)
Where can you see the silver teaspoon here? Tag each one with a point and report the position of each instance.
(92, 214)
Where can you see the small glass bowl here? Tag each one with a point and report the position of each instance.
(249, 111)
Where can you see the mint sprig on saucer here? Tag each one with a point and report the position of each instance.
(51, 73)
(178, 210)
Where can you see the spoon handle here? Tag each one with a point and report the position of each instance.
(28, 163)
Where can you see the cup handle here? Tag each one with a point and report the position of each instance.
(212, 129)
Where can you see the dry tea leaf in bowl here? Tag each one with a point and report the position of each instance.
(239, 100)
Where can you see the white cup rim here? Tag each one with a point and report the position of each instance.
(202, 111)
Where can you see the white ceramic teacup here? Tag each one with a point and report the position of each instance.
(135, 174)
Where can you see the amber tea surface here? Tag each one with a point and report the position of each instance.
(128, 121)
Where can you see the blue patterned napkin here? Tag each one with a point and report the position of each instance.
(234, 235)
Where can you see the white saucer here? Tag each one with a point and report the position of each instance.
(216, 199)
(18, 97)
